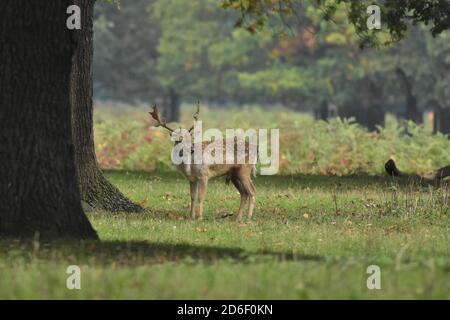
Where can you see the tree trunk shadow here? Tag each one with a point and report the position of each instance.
(129, 253)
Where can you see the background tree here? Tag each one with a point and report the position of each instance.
(188, 30)
(307, 54)
(397, 15)
(125, 51)
(427, 70)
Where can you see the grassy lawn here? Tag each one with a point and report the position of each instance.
(311, 237)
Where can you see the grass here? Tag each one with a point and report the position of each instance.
(317, 226)
(312, 237)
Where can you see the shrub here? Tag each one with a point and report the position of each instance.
(125, 139)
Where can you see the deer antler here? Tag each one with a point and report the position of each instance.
(195, 116)
(160, 123)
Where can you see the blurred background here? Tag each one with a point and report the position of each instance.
(341, 110)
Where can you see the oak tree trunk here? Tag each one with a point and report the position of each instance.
(96, 191)
(38, 185)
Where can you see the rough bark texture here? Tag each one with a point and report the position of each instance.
(38, 186)
(96, 191)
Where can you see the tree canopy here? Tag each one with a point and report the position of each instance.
(397, 16)
(300, 59)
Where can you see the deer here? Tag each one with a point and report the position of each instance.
(198, 175)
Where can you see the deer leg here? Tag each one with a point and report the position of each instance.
(251, 206)
(194, 194)
(238, 184)
(202, 183)
(251, 190)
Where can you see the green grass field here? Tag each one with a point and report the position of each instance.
(311, 237)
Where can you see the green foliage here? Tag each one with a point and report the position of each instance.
(397, 15)
(125, 52)
(126, 140)
(141, 54)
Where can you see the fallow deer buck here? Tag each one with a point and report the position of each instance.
(199, 174)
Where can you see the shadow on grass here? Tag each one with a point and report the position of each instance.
(276, 181)
(129, 253)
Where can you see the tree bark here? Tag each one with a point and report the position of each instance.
(96, 191)
(38, 186)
